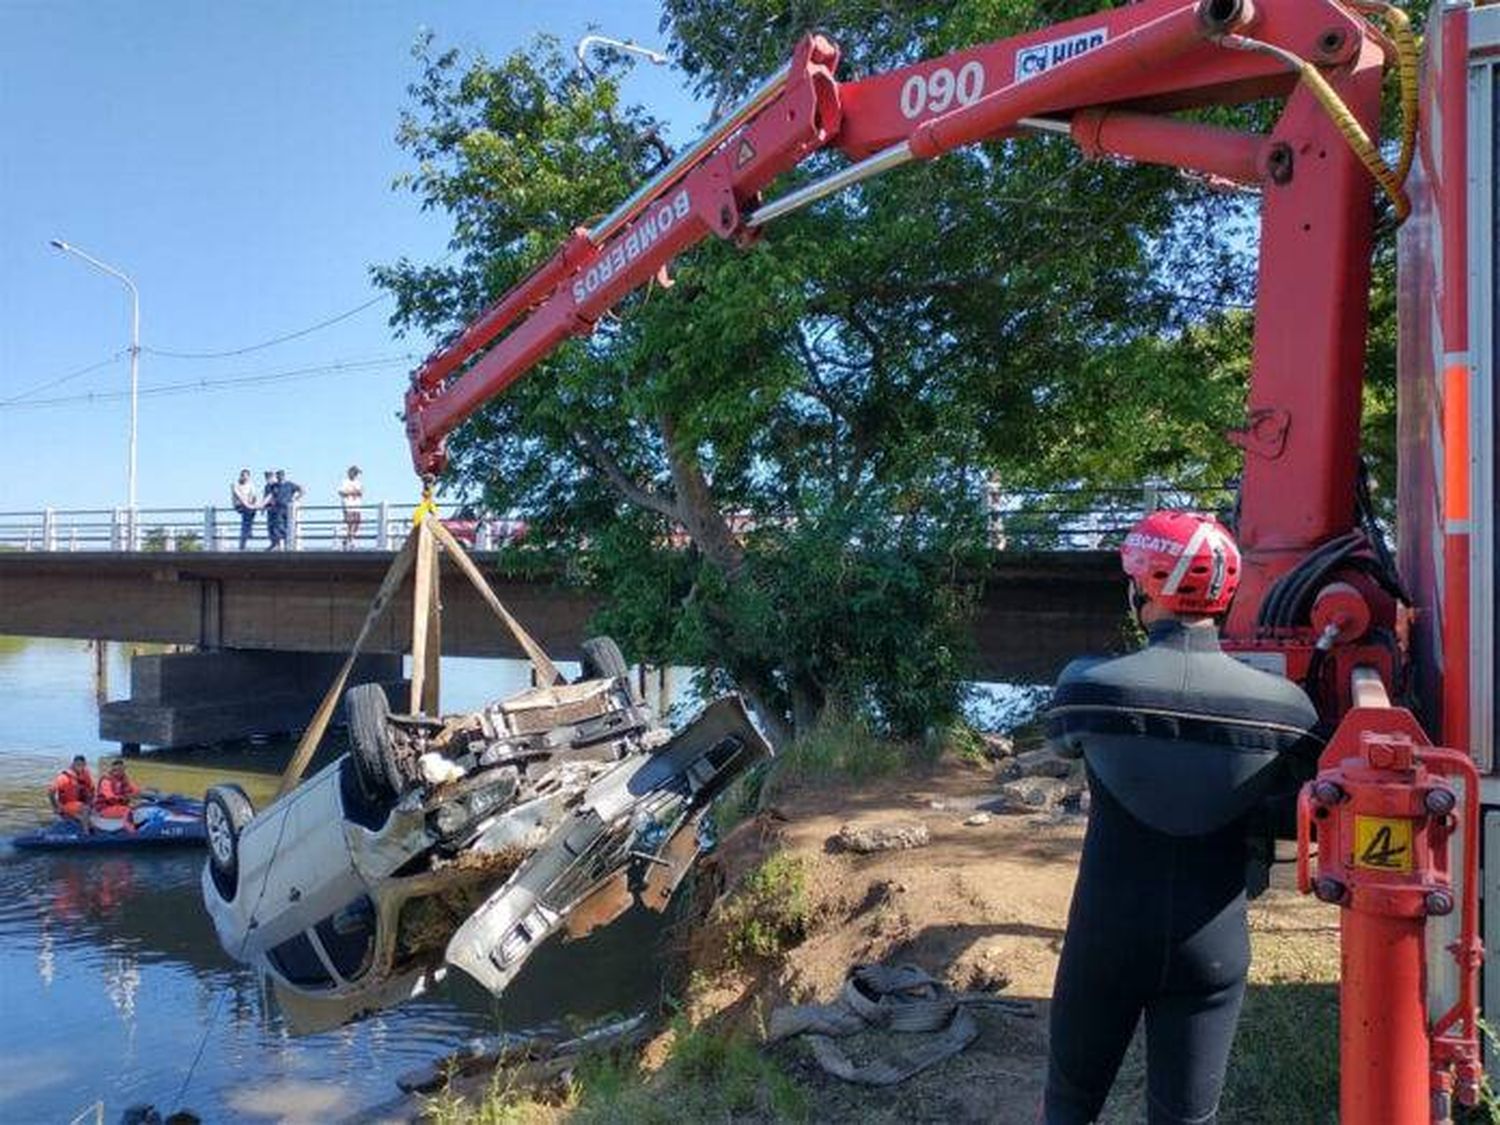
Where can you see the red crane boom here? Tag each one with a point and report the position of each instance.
(1111, 82)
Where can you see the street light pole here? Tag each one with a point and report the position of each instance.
(135, 357)
(590, 41)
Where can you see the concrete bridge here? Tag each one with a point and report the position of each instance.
(1037, 609)
(246, 612)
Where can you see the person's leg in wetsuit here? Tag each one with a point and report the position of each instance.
(1157, 928)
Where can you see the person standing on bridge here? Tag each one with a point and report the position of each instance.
(284, 494)
(246, 503)
(1182, 743)
(351, 496)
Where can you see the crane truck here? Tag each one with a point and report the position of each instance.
(1400, 659)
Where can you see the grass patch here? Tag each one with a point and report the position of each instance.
(706, 1077)
(768, 913)
(839, 746)
(501, 1105)
(1285, 1055)
(959, 739)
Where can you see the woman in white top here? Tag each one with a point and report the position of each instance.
(351, 496)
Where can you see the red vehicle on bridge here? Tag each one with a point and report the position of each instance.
(1320, 602)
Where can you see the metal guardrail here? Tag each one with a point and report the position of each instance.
(1090, 519)
(310, 527)
(1076, 519)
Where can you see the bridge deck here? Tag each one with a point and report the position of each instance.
(1038, 609)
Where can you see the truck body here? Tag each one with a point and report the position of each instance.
(1447, 359)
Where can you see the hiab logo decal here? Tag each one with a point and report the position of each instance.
(1042, 57)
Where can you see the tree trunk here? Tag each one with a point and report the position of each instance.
(696, 507)
(712, 535)
(807, 705)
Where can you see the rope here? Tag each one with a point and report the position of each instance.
(213, 1018)
(389, 586)
(903, 999)
(546, 671)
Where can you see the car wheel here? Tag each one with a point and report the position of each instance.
(369, 712)
(226, 811)
(603, 660)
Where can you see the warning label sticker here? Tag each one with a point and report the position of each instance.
(1382, 843)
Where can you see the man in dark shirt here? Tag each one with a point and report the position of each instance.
(283, 494)
(1181, 743)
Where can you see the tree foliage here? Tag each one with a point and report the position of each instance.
(816, 414)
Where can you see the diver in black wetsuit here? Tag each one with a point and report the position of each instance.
(1181, 744)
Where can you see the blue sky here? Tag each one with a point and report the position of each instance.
(236, 159)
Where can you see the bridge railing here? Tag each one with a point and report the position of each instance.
(1090, 519)
(313, 527)
(1077, 519)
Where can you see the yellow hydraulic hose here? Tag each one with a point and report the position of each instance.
(1345, 121)
(1408, 62)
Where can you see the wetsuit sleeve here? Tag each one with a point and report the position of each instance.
(1060, 740)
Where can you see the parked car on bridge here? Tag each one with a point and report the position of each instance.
(475, 530)
(465, 841)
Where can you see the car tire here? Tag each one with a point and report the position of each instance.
(226, 811)
(369, 711)
(602, 660)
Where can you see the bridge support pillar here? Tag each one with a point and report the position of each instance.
(197, 698)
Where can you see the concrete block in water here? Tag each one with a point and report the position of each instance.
(191, 698)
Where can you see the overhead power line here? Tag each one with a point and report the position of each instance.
(193, 386)
(61, 379)
(311, 328)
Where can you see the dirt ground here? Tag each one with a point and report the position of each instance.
(983, 906)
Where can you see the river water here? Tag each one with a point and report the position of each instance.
(112, 984)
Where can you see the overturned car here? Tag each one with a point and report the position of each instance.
(465, 841)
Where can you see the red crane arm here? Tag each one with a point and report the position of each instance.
(1159, 54)
(702, 192)
(1106, 80)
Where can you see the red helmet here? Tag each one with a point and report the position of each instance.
(1186, 562)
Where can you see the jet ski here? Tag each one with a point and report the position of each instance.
(157, 821)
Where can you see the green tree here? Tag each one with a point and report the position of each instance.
(816, 414)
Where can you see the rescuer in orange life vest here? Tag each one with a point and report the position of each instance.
(1182, 744)
(115, 793)
(72, 791)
